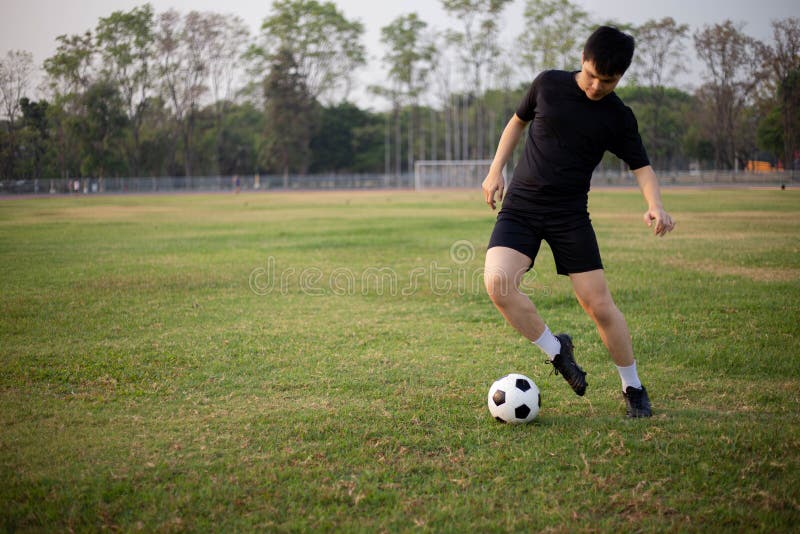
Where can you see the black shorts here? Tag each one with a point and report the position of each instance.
(570, 236)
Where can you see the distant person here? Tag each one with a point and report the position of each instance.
(576, 117)
(237, 184)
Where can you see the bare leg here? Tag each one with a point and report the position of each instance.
(595, 298)
(503, 272)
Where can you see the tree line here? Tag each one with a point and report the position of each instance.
(190, 94)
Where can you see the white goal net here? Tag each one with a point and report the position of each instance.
(429, 174)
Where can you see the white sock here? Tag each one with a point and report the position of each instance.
(629, 377)
(548, 343)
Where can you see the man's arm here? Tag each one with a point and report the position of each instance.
(494, 182)
(648, 183)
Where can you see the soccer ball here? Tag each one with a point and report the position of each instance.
(514, 399)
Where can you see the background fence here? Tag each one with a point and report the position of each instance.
(700, 178)
(177, 184)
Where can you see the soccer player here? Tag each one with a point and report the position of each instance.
(576, 117)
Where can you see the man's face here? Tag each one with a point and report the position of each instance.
(595, 85)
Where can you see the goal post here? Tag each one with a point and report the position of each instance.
(429, 174)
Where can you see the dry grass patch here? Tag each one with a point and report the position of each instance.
(756, 274)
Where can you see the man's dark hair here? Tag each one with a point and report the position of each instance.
(610, 49)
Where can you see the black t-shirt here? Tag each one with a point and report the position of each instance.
(566, 141)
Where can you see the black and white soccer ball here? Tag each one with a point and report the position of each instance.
(514, 399)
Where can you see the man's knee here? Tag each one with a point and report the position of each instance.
(498, 285)
(503, 271)
(600, 307)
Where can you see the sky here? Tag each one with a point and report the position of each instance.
(33, 25)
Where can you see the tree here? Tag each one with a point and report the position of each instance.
(394, 94)
(669, 109)
(238, 152)
(770, 132)
(288, 117)
(325, 47)
(554, 35)
(34, 137)
(478, 49)
(659, 51)
(15, 76)
(7, 157)
(409, 55)
(183, 47)
(733, 71)
(782, 59)
(443, 78)
(15, 72)
(68, 77)
(69, 69)
(102, 129)
(367, 144)
(125, 45)
(348, 140)
(659, 55)
(158, 139)
(228, 36)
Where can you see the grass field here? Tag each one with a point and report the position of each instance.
(307, 361)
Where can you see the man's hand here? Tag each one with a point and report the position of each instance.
(655, 213)
(663, 221)
(494, 183)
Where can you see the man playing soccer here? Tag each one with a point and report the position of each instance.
(575, 118)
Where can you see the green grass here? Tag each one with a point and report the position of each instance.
(145, 386)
